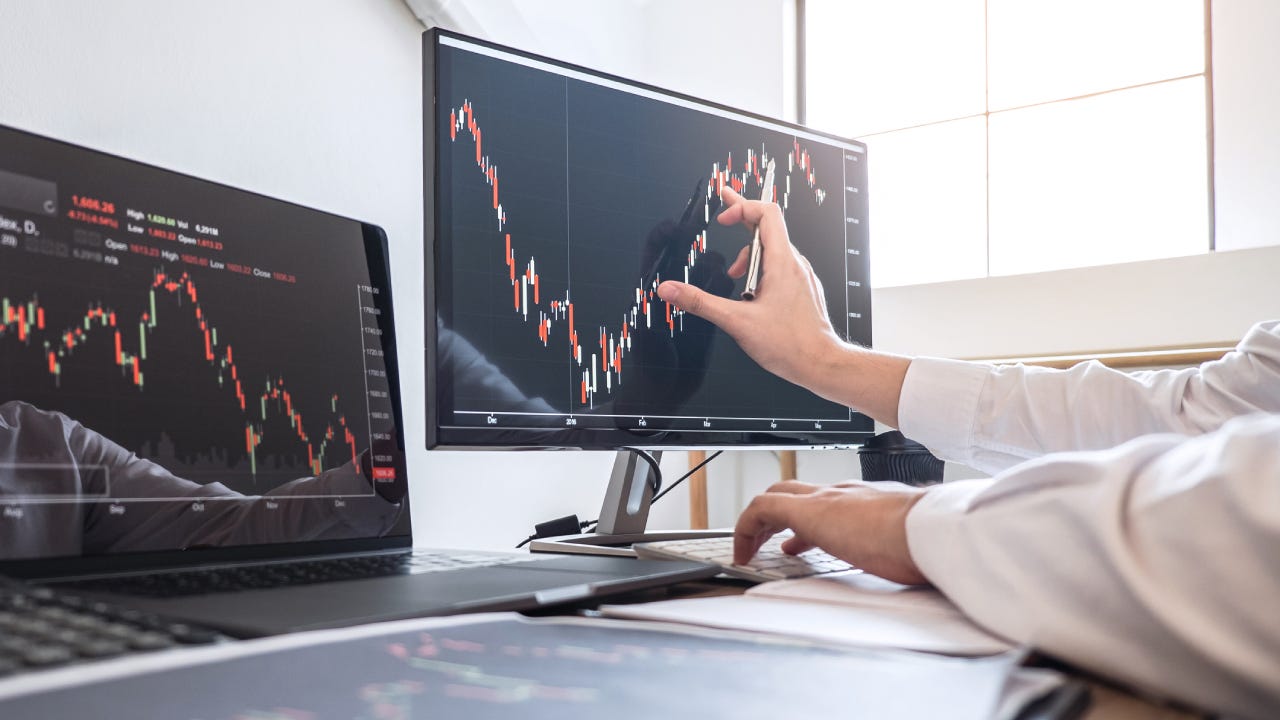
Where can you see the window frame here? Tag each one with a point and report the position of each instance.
(801, 103)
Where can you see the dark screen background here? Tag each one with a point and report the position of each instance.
(277, 284)
(585, 174)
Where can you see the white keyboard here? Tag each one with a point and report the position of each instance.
(770, 563)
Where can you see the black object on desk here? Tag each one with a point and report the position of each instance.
(892, 456)
(1068, 702)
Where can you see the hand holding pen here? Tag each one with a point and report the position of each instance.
(786, 327)
(753, 264)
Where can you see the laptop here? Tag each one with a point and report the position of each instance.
(200, 410)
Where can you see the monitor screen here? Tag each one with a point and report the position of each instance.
(557, 199)
(186, 366)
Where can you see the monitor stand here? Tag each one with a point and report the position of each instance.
(622, 516)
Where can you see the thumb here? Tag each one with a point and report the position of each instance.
(794, 546)
(697, 302)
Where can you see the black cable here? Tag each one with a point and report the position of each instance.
(686, 476)
(656, 483)
(560, 526)
(567, 525)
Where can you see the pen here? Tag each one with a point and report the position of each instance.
(753, 265)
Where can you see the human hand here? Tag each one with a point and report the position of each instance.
(786, 329)
(862, 523)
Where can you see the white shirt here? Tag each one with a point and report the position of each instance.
(1133, 524)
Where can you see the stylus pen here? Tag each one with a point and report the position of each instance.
(753, 265)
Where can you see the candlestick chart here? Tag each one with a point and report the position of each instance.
(27, 323)
(228, 338)
(600, 367)
(561, 201)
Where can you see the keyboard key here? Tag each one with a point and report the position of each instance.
(149, 641)
(188, 635)
(47, 655)
(99, 648)
(45, 627)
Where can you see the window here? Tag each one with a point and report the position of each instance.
(1017, 136)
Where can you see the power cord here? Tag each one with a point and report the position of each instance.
(686, 476)
(567, 525)
(570, 525)
(656, 483)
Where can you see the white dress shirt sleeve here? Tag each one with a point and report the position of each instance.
(1151, 558)
(994, 417)
(1156, 562)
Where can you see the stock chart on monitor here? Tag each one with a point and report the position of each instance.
(230, 342)
(562, 198)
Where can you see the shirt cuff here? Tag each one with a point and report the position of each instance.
(938, 404)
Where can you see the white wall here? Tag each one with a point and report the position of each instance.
(735, 53)
(319, 102)
(671, 44)
(1246, 100)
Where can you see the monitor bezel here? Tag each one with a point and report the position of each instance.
(377, 250)
(443, 436)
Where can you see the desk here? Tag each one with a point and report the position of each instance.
(1108, 701)
(439, 659)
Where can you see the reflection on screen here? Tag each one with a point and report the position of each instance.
(182, 364)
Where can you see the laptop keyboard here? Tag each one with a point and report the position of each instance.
(41, 627)
(273, 575)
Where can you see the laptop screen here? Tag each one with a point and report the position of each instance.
(187, 366)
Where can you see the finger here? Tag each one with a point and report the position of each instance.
(716, 310)
(793, 487)
(765, 517)
(795, 546)
(815, 285)
(730, 197)
(740, 210)
(739, 266)
(773, 233)
(745, 546)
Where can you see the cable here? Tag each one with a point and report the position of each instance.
(567, 525)
(656, 484)
(686, 476)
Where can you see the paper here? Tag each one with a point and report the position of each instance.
(854, 609)
(859, 590)
(505, 665)
(861, 627)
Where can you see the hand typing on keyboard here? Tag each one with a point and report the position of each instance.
(769, 563)
(863, 523)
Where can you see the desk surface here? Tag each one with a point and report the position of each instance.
(1108, 701)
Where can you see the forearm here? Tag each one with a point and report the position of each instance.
(866, 380)
(1143, 562)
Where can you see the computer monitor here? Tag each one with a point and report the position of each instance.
(187, 369)
(557, 198)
